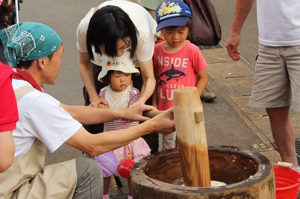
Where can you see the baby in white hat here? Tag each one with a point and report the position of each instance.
(118, 72)
(120, 94)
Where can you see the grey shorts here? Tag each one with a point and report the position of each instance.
(277, 78)
(89, 179)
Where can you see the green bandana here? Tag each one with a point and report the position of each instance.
(28, 41)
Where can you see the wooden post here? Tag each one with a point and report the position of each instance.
(191, 137)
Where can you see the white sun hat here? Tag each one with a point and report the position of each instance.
(123, 64)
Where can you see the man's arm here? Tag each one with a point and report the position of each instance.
(90, 115)
(242, 10)
(7, 150)
(86, 72)
(94, 144)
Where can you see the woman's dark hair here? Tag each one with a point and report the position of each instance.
(107, 25)
(106, 78)
(6, 14)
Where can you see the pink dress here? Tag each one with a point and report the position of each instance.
(137, 149)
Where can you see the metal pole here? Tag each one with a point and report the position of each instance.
(17, 10)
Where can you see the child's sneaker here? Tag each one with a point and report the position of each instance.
(208, 96)
(106, 196)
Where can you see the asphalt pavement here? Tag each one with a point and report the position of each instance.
(229, 120)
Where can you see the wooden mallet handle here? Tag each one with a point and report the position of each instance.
(154, 113)
(191, 137)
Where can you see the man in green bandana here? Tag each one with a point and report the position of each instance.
(35, 50)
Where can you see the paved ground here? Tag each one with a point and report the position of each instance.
(229, 120)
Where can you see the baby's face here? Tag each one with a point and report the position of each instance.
(120, 81)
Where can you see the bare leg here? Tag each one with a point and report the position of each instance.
(283, 133)
(129, 186)
(106, 185)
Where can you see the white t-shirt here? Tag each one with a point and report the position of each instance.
(278, 22)
(142, 20)
(41, 117)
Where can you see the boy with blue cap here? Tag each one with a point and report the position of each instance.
(177, 62)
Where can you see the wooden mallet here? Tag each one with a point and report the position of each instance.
(191, 137)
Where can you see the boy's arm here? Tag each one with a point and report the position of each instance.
(154, 95)
(203, 81)
(154, 98)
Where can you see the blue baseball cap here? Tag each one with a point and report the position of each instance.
(172, 13)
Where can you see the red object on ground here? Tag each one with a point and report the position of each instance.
(287, 182)
(125, 166)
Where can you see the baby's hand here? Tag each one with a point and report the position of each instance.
(102, 106)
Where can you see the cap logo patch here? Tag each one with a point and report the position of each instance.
(167, 8)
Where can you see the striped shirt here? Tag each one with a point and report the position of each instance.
(134, 95)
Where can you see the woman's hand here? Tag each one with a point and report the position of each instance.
(98, 103)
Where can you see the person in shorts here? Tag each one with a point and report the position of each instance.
(277, 71)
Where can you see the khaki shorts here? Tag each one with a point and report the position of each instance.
(277, 78)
